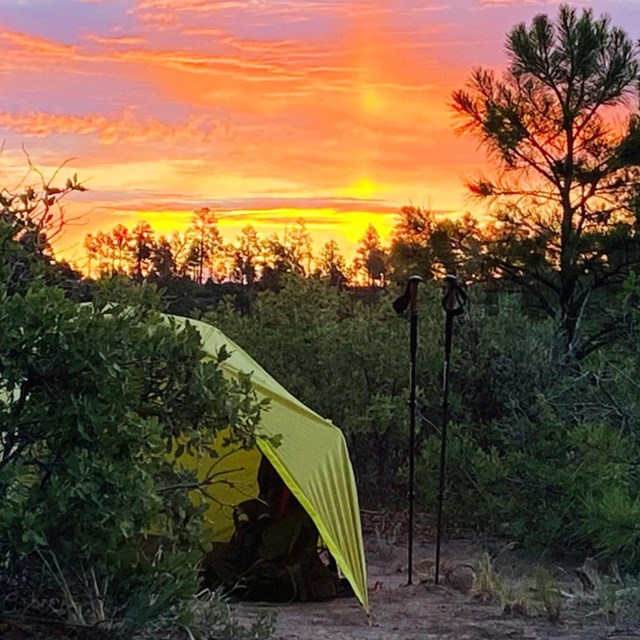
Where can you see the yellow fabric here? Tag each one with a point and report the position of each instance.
(233, 478)
(312, 460)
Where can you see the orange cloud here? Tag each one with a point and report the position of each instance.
(127, 128)
(198, 6)
(22, 52)
(38, 46)
(270, 7)
(271, 48)
(116, 40)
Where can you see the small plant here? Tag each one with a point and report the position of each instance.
(487, 584)
(515, 602)
(517, 598)
(547, 593)
(214, 619)
(627, 606)
(606, 598)
(619, 600)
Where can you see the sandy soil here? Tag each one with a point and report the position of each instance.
(425, 611)
(422, 611)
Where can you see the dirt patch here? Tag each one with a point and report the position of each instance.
(422, 611)
(425, 611)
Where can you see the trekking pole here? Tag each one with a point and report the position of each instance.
(410, 299)
(453, 301)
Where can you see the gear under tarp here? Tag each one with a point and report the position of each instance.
(312, 459)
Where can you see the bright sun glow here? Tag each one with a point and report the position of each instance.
(362, 188)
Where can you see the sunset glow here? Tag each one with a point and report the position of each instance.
(265, 111)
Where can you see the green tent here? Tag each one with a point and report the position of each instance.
(311, 459)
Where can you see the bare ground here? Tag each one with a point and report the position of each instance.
(422, 611)
(425, 611)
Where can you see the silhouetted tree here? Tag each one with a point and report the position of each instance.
(101, 245)
(430, 247)
(179, 245)
(565, 202)
(92, 248)
(163, 265)
(205, 244)
(410, 251)
(371, 257)
(143, 246)
(31, 218)
(246, 253)
(332, 265)
(292, 255)
(121, 245)
(299, 241)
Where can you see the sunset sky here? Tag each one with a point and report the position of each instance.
(264, 110)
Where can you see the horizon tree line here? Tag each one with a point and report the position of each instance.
(200, 254)
(420, 243)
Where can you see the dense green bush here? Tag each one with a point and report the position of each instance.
(542, 450)
(92, 398)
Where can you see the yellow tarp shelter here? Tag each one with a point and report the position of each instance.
(311, 458)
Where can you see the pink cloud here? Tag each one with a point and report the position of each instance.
(108, 131)
(37, 46)
(116, 40)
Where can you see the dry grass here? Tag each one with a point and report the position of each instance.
(487, 585)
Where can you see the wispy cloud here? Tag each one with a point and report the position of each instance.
(37, 46)
(516, 3)
(127, 128)
(116, 40)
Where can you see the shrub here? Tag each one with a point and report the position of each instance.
(92, 399)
